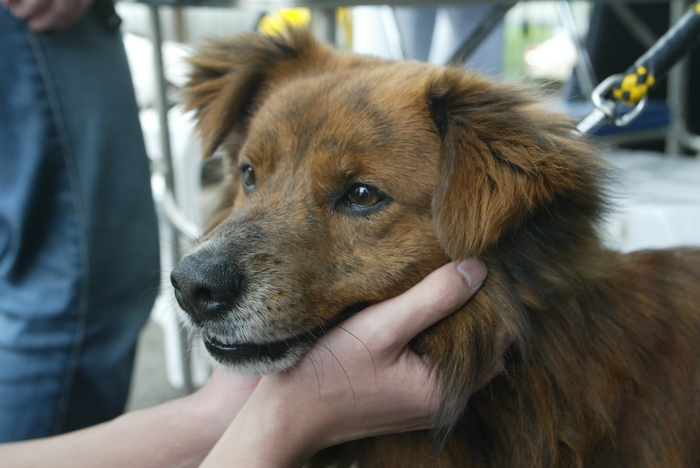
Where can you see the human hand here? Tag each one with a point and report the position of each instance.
(360, 380)
(46, 15)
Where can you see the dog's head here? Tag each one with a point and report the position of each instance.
(351, 179)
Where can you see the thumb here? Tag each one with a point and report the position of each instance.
(434, 298)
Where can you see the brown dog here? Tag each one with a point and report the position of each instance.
(353, 177)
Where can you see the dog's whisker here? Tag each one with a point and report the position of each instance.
(369, 351)
(335, 358)
(318, 377)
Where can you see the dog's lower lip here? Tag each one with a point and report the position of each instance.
(276, 349)
(248, 350)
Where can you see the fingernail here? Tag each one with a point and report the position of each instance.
(473, 270)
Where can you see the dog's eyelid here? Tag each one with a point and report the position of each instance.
(244, 164)
(361, 185)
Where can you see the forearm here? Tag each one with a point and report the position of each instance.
(176, 434)
(263, 435)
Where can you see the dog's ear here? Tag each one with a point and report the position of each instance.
(501, 159)
(229, 76)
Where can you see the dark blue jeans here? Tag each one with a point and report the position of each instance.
(78, 234)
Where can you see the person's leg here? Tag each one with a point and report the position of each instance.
(78, 236)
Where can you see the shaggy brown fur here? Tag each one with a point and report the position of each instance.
(604, 368)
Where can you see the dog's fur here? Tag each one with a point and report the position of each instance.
(603, 370)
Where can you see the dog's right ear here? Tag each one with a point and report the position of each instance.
(230, 76)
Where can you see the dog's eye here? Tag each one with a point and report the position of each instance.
(248, 177)
(362, 195)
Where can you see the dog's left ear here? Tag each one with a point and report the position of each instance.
(501, 160)
(231, 75)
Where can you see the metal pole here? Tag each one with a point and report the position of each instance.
(676, 90)
(481, 32)
(392, 33)
(323, 24)
(162, 104)
(584, 71)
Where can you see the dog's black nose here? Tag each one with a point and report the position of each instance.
(206, 284)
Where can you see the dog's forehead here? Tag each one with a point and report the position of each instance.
(313, 108)
(340, 127)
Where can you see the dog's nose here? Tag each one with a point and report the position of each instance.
(206, 284)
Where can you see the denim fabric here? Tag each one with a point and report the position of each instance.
(78, 234)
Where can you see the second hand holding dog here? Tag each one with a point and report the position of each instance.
(360, 380)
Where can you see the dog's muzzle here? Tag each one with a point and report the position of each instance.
(209, 286)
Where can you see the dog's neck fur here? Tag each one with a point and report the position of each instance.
(561, 295)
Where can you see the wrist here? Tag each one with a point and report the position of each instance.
(270, 431)
(210, 412)
(284, 433)
(199, 421)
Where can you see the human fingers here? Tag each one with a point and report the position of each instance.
(58, 15)
(24, 9)
(400, 319)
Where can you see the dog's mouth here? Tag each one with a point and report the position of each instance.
(241, 353)
(248, 350)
